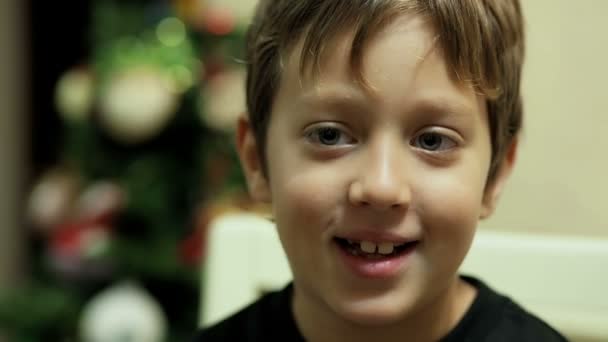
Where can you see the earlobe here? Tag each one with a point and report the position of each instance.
(495, 187)
(251, 161)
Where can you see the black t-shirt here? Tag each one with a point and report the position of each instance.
(491, 318)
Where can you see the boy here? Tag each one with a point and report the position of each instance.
(381, 131)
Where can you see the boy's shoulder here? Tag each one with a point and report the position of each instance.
(267, 319)
(491, 318)
(495, 318)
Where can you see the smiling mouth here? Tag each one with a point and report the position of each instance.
(369, 250)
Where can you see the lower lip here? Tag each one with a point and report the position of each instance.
(376, 268)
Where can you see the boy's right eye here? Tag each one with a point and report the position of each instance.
(329, 136)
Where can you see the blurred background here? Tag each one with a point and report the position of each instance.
(116, 152)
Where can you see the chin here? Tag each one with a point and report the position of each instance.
(372, 313)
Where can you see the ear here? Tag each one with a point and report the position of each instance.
(251, 161)
(494, 188)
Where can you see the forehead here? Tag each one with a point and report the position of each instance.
(337, 52)
(405, 52)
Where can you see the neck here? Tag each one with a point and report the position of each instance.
(319, 323)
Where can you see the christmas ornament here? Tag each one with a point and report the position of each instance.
(224, 99)
(137, 104)
(52, 199)
(191, 249)
(181, 78)
(77, 248)
(171, 32)
(79, 244)
(124, 312)
(100, 201)
(219, 20)
(74, 94)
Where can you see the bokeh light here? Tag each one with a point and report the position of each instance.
(171, 31)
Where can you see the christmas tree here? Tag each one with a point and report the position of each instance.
(146, 160)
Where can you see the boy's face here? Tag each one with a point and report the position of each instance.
(405, 163)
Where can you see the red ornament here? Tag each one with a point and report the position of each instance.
(191, 249)
(69, 239)
(219, 20)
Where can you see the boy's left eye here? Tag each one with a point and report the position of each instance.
(433, 142)
(330, 136)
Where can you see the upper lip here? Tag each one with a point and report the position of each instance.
(377, 237)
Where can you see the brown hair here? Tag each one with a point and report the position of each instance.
(483, 43)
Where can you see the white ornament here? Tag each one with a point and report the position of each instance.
(51, 199)
(137, 104)
(126, 313)
(224, 100)
(100, 198)
(74, 94)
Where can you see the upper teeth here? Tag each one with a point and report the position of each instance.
(368, 247)
(382, 248)
(386, 248)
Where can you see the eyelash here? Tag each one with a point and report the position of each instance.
(314, 136)
(444, 140)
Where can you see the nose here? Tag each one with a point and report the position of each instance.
(382, 180)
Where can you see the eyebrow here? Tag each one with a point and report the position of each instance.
(442, 105)
(335, 97)
(351, 99)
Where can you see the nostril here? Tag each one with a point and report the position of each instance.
(362, 203)
(382, 198)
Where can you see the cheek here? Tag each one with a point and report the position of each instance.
(449, 211)
(299, 193)
(304, 207)
(305, 197)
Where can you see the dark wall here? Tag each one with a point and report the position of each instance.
(58, 40)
